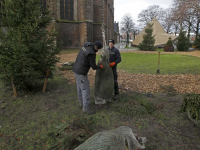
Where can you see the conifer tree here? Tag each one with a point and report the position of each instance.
(197, 42)
(169, 42)
(28, 43)
(148, 39)
(183, 42)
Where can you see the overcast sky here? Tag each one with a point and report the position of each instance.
(134, 7)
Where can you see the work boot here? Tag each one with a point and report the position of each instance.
(116, 97)
(89, 112)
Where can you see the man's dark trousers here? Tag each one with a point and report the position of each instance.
(116, 87)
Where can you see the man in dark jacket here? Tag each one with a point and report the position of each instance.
(115, 58)
(86, 58)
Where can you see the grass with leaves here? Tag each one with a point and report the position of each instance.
(169, 63)
(26, 122)
(69, 51)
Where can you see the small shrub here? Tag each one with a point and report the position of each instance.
(169, 42)
(190, 44)
(63, 68)
(131, 108)
(133, 105)
(162, 117)
(171, 94)
(168, 88)
(69, 136)
(128, 96)
(148, 105)
(197, 42)
(191, 104)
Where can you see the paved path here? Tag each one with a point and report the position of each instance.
(121, 47)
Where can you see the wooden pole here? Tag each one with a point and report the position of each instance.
(158, 71)
(46, 79)
(14, 89)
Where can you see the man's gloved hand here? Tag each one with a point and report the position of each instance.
(112, 64)
(101, 66)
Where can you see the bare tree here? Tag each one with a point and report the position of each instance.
(187, 14)
(179, 10)
(189, 23)
(167, 21)
(176, 27)
(148, 14)
(127, 25)
(195, 14)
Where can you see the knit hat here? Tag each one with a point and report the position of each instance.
(98, 44)
(112, 41)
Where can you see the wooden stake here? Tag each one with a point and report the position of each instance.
(14, 89)
(46, 79)
(158, 71)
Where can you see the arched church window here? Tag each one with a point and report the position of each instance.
(67, 9)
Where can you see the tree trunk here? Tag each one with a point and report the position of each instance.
(189, 29)
(197, 29)
(127, 39)
(181, 26)
(175, 31)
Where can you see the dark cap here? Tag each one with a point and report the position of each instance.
(112, 41)
(98, 44)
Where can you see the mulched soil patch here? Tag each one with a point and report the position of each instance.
(183, 83)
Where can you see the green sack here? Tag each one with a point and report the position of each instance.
(104, 80)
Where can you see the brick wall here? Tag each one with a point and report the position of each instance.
(89, 31)
(89, 15)
(90, 10)
(97, 33)
(83, 33)
(67, 34)
(82, 10)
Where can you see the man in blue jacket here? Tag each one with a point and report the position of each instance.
(86, 58)
(115, 58)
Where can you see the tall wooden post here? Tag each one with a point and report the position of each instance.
(14, 89)
(46, 79)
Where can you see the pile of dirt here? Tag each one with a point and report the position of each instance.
(184, 83)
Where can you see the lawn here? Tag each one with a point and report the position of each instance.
(169, 63)
(68, 51)
(131, 48)
(160, 50)
(26, 120)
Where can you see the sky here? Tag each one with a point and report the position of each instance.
(134, 7)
